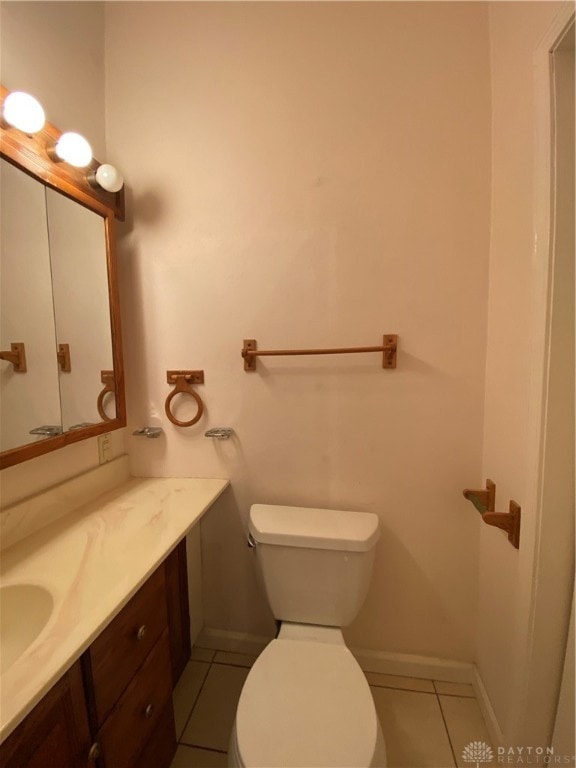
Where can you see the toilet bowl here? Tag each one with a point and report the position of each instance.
(306, 702)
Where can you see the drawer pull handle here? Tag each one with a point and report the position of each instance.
(149, 711)
(94, 752)
(141, 634)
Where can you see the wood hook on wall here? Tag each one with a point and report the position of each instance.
(63, 356)
(507, 521)
(182, 381)
(16, 355)
(107, 378)
(485, 500)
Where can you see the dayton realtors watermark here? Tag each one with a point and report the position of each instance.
(532, 756)
(480, 754)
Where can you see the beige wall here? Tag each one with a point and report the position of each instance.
(314, 175)
(56, 52)
(506, 576)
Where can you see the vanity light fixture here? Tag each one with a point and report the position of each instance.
(108, 177)
(73, 149)
(24, 112)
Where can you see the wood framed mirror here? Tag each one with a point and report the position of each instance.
(61, 368)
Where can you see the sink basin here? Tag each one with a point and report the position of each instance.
(24, 612)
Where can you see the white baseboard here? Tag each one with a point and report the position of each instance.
(408, 665)
(488, 713)
(404, 664)
(226, 640)
(371, 661)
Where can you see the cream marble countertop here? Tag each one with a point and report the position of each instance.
(92, 561)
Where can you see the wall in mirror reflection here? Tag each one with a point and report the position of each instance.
(53, 290)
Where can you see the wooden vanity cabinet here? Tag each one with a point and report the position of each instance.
(130, 671)
(56, 734)
(113, 708)
(178, 609)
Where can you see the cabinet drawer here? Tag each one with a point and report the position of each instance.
(140, 710)
(160, 749)
(114, 657)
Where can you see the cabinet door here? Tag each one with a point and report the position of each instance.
(178, 609)
(56, 733)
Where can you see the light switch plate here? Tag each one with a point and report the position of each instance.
(105, 448)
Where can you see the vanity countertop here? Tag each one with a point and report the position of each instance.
(92, 561)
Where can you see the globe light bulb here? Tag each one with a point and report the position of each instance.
(74, 149)
(109, 178)
(24, 112)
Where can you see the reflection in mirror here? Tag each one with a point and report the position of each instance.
(29, 400)
(81, 307)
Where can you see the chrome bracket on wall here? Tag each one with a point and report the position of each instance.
(150, 432)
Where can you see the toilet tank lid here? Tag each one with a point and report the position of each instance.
(313, 528)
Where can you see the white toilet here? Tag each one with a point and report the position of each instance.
(306, 701)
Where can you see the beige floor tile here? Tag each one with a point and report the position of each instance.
(465, 725)
(190, 757)
(236, 659)
(186, 692)
(455, 689)
(202, 654)
(213, 716)
(413, 729)
(397, 681)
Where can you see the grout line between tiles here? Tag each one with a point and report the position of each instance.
(194, 704)
(406, 690)
(205, 749)
(230, 664)
(457, 695)
(447, 731)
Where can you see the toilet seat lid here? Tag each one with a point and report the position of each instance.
(306, 704)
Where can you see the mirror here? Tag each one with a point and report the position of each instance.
(26, 309)
(59, 299)
(77, 240)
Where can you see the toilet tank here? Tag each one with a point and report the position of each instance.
(315, 564)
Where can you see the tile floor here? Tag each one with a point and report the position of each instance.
(426, 723)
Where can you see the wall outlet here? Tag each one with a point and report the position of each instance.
(105, 448)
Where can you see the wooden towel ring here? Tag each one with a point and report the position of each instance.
(182, 381)
(107, 378)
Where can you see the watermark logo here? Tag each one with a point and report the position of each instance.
(477, 752)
